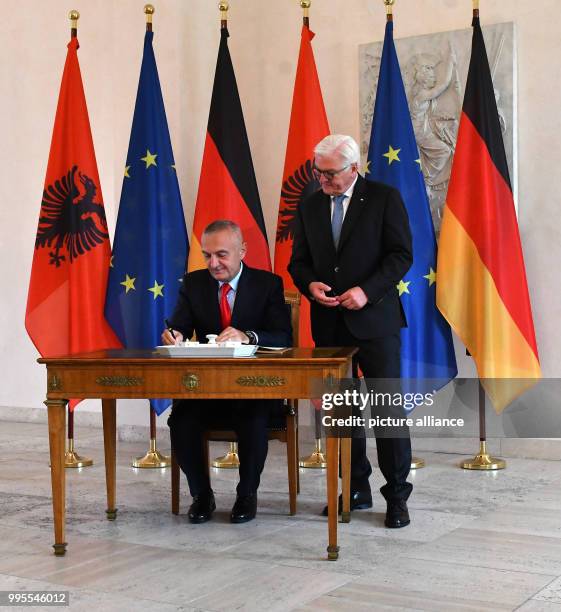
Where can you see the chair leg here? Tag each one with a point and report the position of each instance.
(292, 461)
(175, 482)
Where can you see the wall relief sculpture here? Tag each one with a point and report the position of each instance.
(434, 69)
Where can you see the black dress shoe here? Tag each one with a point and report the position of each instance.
(360, 500)
(244, 509)
(397, 514)
(202, 508)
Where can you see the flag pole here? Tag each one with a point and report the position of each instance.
(71, 458)
(482, 461)
(153, 458)
(317, 459)
(231, 459)
(416, 462)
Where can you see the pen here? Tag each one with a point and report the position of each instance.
(170, 329)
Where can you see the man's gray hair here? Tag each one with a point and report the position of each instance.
(223, 224)
(340, 144)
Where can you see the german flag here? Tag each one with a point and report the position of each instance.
(482, 289)
(308, 125)
(227, 185)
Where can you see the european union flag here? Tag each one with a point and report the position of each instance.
(427, 351)
(150, 246)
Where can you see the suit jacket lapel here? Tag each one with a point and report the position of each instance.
(356, 206)
(242, 302)
(211, 298)
(324, 221)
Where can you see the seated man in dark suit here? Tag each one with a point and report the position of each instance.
(240, 304)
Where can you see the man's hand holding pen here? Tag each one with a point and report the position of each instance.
(171, 336)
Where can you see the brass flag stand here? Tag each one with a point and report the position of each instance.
(230, 460)
(153, 458)
(483, 461)
(317, 459)
(71, 457)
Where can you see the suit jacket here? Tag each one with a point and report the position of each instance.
(374, 253)
(259, 306)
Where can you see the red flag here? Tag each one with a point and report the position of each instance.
(308, 125)
(227, 185)
(71, 260)
(481, 287)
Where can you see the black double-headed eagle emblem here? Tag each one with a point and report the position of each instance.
(297, 187)
(70, 218)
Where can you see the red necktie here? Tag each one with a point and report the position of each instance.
(225, 312)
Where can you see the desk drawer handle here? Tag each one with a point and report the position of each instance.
(190, 381)
(261, 381)
(119, 381)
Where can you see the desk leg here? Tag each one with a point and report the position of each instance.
(346, 479)
(109, 409)
(332, 444)
(57, 427)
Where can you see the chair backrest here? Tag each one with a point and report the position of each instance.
(292, 298)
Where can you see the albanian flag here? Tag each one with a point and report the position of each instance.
(69, 272)
(481, 288)
(308, 125)
(227, 185)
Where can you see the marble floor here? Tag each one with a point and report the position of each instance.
(477, 541)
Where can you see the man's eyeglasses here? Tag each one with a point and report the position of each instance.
(328, 174)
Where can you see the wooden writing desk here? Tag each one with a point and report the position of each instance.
(126, 374)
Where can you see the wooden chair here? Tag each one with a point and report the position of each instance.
(287, 432)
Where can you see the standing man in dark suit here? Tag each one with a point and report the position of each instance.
(239, 304)
(352, 246)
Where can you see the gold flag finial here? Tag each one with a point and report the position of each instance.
(305, 5)
(149, 10)
(389, 13)
(223, 7)
(74, 16)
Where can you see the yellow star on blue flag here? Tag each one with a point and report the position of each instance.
(156, 290)
(149, 159)
(128, 283)
(392, 155)
(431, 277)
